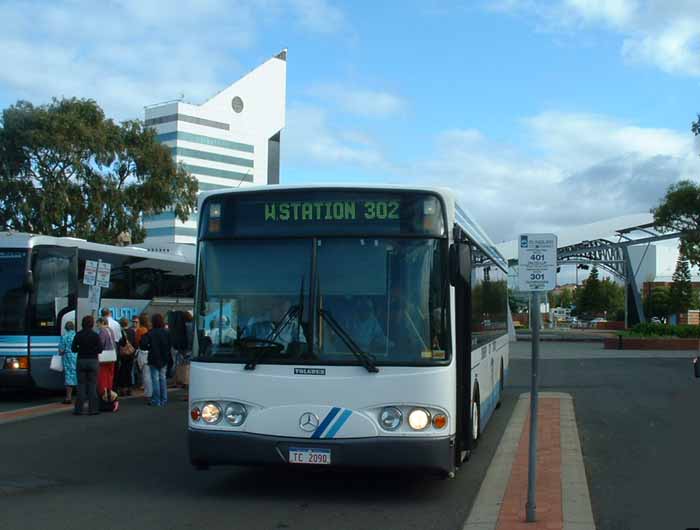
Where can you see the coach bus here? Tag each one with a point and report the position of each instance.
(344, 326)
(41, 287)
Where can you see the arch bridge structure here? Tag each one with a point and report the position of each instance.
(612, 255)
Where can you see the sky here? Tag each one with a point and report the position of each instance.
(541, 114)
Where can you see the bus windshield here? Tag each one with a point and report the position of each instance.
(13, 295)
(314, 300)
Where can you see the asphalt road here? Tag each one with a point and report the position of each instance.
(19, 399)
(639, 423)
(637, 417)
(130, 470)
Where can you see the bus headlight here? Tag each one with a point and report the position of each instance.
(211, 413)
(16, 363)
(235, 414)
(419, 419)
(390, 418)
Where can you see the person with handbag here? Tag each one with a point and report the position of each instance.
(86, 345)
(108, 357)
(142, 356)
(126, 358)
(70, 360)
(159, 346)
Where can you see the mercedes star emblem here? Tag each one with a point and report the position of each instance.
(308, 422)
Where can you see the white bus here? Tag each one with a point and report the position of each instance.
(344, 326)
(41, 288)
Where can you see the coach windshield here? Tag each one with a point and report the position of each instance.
(13, 290)
(315, 300)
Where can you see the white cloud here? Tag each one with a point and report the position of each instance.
(573, 140)
(319, 15)
(359, 101)
(131, 53)
(614, 12)
(311, 141)
(663, 33)
(590, 168)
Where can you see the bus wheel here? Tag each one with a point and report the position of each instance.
(501, 384)
(476, 420)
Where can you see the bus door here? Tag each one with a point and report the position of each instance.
(461, 270)
(55, 276)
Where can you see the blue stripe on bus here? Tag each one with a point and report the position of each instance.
(13, 338)
(339, 424)
(325, 423)
(43, 345)
(489, 406)
(53, 339)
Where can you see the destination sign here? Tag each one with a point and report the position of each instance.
(323, 212)
(319, 211)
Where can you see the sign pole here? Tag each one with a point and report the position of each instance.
(537, 272)
(531, 506)
(99, 292)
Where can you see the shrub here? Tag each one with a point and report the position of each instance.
(684, 331)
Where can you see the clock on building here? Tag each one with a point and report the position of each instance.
(237, 104)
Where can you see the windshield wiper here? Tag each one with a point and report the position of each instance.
(366, 359)
(269, 343)
(246, 343)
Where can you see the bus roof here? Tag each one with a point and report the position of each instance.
(456, 214)
(175, 253)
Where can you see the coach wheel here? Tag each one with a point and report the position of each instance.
(476, 420)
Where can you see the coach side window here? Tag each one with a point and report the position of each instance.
(53, 287)
(146, 283)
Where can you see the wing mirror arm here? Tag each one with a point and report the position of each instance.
(453, 261)
(29, 282)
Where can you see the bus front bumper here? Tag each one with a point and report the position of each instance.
(237, 448)
(15, 378)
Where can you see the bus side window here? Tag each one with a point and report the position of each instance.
(53, 288)
(146, 284)
(118, 284)
(174, 285)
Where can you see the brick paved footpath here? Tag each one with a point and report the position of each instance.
(549, 495)
(562, 496)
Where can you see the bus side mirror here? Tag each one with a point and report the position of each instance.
(453, 260)
(29, 282)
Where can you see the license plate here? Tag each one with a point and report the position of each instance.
(309, 455)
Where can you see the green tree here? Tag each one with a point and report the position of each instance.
(613, 299)
(561, 299)
(590, 297)
(679, 211)
(566, 298)
(554, 299)
(67, 170)
(657, 303)
(680, 294)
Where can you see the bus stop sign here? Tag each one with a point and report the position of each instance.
(537, 262)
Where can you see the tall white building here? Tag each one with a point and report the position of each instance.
(229, 141)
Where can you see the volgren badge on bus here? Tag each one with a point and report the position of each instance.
(537, 262)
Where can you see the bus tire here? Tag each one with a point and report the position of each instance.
(475, 419)
(501, 384)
